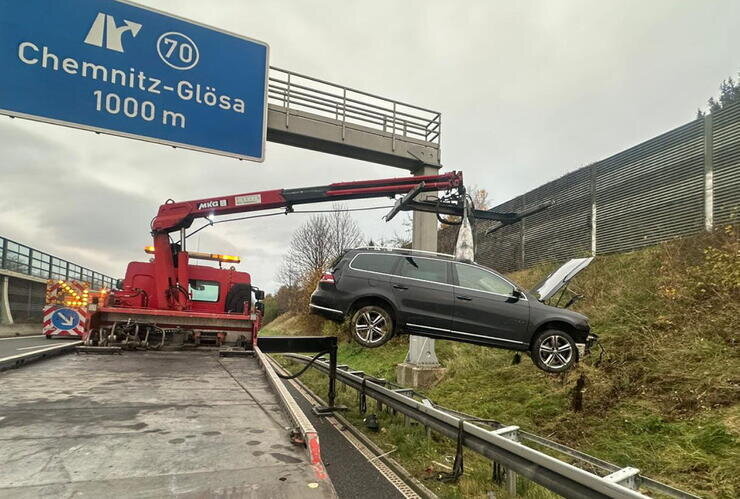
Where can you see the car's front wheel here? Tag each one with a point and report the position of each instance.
(554, 351)
(371, 326)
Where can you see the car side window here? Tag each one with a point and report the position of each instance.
(423, 268)
(481, 280)
(375, 263)
(203, 290)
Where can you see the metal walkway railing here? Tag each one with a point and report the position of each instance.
(294, 91)
(23, 259)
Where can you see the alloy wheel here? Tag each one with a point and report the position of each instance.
(371, 326)
(555, 351)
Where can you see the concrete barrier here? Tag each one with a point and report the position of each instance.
(20, 330)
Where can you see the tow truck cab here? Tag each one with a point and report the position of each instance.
(210, 290)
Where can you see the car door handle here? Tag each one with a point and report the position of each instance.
(400, 286)
(464, 298)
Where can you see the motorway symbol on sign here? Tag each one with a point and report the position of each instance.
(116, 67)
(65, 319)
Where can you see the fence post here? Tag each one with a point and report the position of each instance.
(593, 209)
(522, 228)
(708, 174)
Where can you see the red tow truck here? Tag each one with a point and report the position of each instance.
(171, 300)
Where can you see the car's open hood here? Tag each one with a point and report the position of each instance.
(559, 278)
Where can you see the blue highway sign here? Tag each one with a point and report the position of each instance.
(65, 319)
(120, 68)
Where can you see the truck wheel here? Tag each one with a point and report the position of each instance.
(554, 351)
(371, 326)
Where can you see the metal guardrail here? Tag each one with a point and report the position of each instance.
(23, 259)
(505, 445)
(294, 91)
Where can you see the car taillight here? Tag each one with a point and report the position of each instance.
(327, 277)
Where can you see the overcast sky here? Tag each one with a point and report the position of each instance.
(528, 90)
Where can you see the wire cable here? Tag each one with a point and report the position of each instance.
(342, 210)
(305, 368)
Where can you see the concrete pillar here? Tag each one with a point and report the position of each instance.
(424, 237)
(6, 317)
(421, 367)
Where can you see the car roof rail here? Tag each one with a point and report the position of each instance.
(409, 250)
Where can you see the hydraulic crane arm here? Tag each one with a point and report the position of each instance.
(171, 260)
(173, 216)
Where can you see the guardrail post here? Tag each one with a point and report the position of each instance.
(625, 477)
(378, 404)
(332, 374)
(428, 403)
(509, 476)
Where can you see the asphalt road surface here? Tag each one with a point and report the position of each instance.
(10, 347)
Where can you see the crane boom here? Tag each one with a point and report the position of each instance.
(173, 216)
(171, 260)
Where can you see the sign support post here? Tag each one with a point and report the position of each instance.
(421, 367)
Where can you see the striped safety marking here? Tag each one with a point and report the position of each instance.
(49, 328)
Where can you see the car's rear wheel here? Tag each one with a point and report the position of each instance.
(371, 326)
(554, 351)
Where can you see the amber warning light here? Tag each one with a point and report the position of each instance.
(214, 257)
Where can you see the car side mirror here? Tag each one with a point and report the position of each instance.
(259, 295)
(517, 294)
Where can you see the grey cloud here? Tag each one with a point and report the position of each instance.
(528, 90)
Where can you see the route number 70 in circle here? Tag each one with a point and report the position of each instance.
(177, 50)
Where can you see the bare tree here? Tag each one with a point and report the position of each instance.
(310, 249)
(313, 246)
(344, 232)
(480, 198)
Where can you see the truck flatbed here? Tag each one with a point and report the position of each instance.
(150, 424)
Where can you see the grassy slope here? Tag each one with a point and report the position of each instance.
(664, 399)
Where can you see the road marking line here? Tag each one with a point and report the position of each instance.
(28, 348)
(22, 337)
(57, 347)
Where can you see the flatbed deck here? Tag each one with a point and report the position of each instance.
(149, 424)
